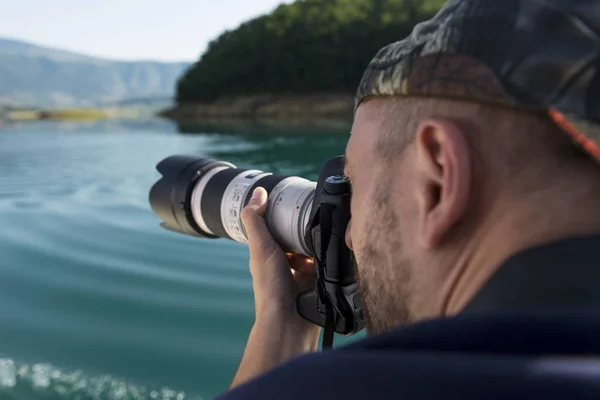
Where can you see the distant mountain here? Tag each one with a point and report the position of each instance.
(36, 76)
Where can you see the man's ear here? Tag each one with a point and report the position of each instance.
(444, 178)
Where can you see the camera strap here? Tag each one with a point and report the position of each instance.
(325, 217)
(328, 330)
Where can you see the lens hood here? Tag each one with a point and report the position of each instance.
(170, 196)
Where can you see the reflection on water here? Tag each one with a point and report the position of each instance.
(90, 283)
(279, 148)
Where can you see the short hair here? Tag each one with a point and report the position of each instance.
(524, 142)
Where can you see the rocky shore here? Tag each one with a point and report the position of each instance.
(311, 109)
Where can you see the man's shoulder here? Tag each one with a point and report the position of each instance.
(500, 356)
(352, 375)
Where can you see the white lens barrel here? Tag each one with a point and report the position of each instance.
(221, 193)
(289, 206)
(233, 203)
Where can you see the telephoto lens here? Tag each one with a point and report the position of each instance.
(205, 197)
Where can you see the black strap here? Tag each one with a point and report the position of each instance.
(329, 329)
(326, 226)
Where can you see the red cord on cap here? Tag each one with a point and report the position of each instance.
(588, 144)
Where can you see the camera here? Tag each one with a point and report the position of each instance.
(205, 197)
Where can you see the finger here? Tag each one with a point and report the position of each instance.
(302, 264)
(260, 242)
(304, 282)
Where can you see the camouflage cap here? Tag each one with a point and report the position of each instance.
(532, 54)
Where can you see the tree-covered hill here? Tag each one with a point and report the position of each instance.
(309, 46)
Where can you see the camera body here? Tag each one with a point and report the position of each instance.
(204, 197)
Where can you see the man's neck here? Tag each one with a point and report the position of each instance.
(511, 230)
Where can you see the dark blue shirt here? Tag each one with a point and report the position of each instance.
(532, 332)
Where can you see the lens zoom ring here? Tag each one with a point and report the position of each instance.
(268, 182)
(212, 198)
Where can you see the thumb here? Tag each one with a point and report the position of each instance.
(260, 242)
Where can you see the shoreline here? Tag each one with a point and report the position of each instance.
(24, 114)
(268, 109)
(265, 112)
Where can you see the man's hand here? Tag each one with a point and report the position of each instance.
(279, 332)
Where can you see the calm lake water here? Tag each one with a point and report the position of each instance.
(96, 300)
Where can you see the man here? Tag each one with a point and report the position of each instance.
(475, 219)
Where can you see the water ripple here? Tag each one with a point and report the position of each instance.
(90, 282)
(45, 381)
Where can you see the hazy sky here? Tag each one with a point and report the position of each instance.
(170, 30)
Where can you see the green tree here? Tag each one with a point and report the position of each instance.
(309, 46)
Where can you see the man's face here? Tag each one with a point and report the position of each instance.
(381, 219)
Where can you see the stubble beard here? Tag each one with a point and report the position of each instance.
(383, 273)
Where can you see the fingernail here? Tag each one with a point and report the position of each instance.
(256, 194)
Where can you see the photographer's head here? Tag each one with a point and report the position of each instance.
(467, 147)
